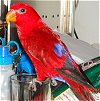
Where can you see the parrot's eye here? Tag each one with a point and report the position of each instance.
(22, 10)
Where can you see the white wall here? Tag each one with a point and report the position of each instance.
(87, 21)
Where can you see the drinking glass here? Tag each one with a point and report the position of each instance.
(24, 88)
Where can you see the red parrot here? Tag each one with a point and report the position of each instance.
(46, 50)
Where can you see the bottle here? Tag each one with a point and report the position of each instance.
(6, 63)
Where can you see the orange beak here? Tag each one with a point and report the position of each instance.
(11, 16)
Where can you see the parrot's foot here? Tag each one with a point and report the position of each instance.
(32, 86)
(37, 81)
(53, 82)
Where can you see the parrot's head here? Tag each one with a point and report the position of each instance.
(22, 14)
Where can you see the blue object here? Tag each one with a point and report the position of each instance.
(11, 43)
(5, 57)
(25, 64)
(2, 40)
(58, 49)
(60, 79)
(17, 45)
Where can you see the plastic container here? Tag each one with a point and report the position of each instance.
(6, 63)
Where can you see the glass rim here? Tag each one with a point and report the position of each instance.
(26, 74)
(13, 77)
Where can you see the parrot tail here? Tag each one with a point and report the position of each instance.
(82, 93)
(80, 87)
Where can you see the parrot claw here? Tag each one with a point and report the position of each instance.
(36, 81)
(53, 82)
(32, 86)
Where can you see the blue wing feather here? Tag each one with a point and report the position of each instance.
(58, 49)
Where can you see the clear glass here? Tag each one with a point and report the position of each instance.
(21, 88)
